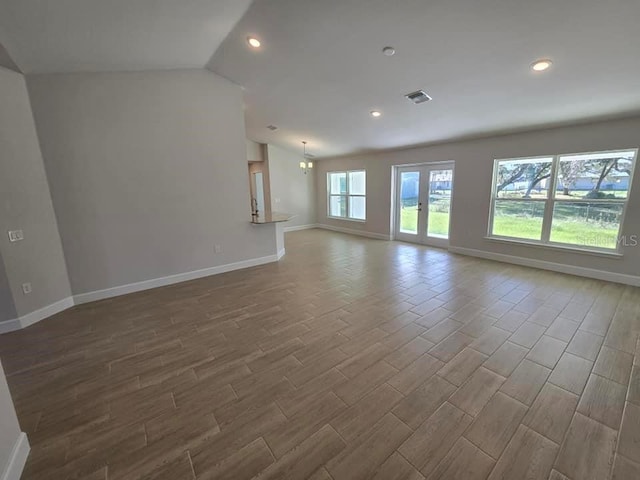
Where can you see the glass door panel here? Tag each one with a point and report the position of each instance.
(409, 202)
(440, 185)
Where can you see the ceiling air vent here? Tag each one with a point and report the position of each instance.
(418, 97)
(273, 128)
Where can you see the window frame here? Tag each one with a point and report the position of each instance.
(347, 195)
(550, 202)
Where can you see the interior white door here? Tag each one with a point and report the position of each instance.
(257, 178)
(423, 203)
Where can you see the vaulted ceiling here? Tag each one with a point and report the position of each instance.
(320, 70)
(6, 61)
(115, 35)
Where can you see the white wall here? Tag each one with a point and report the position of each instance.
(472, 189)
(147, 172)
(254, 151)
(9, 429)
(291, 190)
(7, 307)
(25, 203)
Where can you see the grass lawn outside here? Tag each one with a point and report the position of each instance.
(580, 224)
(438, 221)
(568, 230)
(562, 231)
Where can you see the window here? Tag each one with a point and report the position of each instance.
(347, 194)
(577, 200)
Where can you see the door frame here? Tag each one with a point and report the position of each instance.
(425, 169)
(258, 192)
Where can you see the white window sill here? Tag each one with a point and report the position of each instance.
(558, 247)
(347, 219)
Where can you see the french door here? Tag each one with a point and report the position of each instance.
(423, 203)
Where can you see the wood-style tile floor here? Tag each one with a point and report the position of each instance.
(350, 359)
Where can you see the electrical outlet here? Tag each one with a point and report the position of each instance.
(26, 288)
(217, 248)
(16, 235)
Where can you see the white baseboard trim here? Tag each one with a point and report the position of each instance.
(34, 317)
(171, 279)
(18, 458)
(299, 227)
(46, 312)
(361, 233)
(12, 325)
(554, 267)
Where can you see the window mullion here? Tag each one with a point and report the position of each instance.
(348, 205)
(329, 194)
(547, 220)
(348, 212)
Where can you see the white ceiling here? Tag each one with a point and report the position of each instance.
(115, 35)
(321, 69)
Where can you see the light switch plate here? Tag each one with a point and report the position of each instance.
(16, 235)
(26, 288)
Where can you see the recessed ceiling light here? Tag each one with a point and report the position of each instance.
(389, 51)
(541, 65)
(375, 113)
(253, 42)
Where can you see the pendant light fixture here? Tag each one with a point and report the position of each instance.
(305, 165)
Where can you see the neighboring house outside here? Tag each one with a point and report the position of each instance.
(614, 181)
(617, 181)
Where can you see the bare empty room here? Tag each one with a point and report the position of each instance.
(324, 240)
